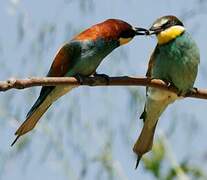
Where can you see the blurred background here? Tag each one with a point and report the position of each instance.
(89, 133)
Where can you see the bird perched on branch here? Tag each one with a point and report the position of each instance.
(79, 57)
(175, 60)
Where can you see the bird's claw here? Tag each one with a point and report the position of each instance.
(168, 84)
(171, 85)
(192, 91)
(80, 78)
(106, 77)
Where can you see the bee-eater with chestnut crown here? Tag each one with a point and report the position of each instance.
(175, 60)
(79, 57)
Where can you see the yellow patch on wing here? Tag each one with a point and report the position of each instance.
(170, 34)
(123, 41)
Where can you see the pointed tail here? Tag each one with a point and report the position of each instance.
(144, 142)
(156, 103)
(31, 120)
(39, 108)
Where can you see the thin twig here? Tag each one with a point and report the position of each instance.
(96, 81)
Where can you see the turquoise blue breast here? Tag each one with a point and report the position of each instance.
(177, 62)
(90, 55)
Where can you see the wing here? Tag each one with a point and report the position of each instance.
(62, 63)
(151, 63)
(149, 75)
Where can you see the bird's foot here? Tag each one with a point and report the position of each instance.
(194, 90)
(104, 76)
(80, 78)
(170, 85)
(191, 91)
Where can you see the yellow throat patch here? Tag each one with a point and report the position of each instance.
(170, 34)
(123, 41)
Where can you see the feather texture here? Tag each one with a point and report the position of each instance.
(177, 63)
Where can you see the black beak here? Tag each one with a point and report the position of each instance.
(141, 31)
(155, 30)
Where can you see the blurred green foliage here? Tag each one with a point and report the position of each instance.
(155, 162)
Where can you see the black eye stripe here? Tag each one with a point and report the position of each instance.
(167, 24)
(172, 23)
(127, 34)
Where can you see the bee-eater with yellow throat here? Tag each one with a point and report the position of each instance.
(79, 57)
(175, 60)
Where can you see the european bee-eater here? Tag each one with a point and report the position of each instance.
(79, 57)
(175, 60)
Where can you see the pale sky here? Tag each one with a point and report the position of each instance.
(89, 115)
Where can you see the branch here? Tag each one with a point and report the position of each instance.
(96, 81)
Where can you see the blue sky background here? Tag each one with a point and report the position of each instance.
(89, 133)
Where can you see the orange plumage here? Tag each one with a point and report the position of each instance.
(109, 29)
(80, 56)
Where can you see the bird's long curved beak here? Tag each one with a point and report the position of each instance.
(141, 31)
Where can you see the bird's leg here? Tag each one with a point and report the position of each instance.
(106, 77)
(80, 78)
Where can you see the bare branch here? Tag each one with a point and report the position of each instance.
(96, 81)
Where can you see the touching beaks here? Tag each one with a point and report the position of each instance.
(141, 31)
(151, 31)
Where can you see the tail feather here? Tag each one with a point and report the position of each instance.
(143, 115)
(145, 140)
(32, 119)
(154, 107)
(39, 108)
(45, 91)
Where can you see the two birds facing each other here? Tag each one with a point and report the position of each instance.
(174, 60)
